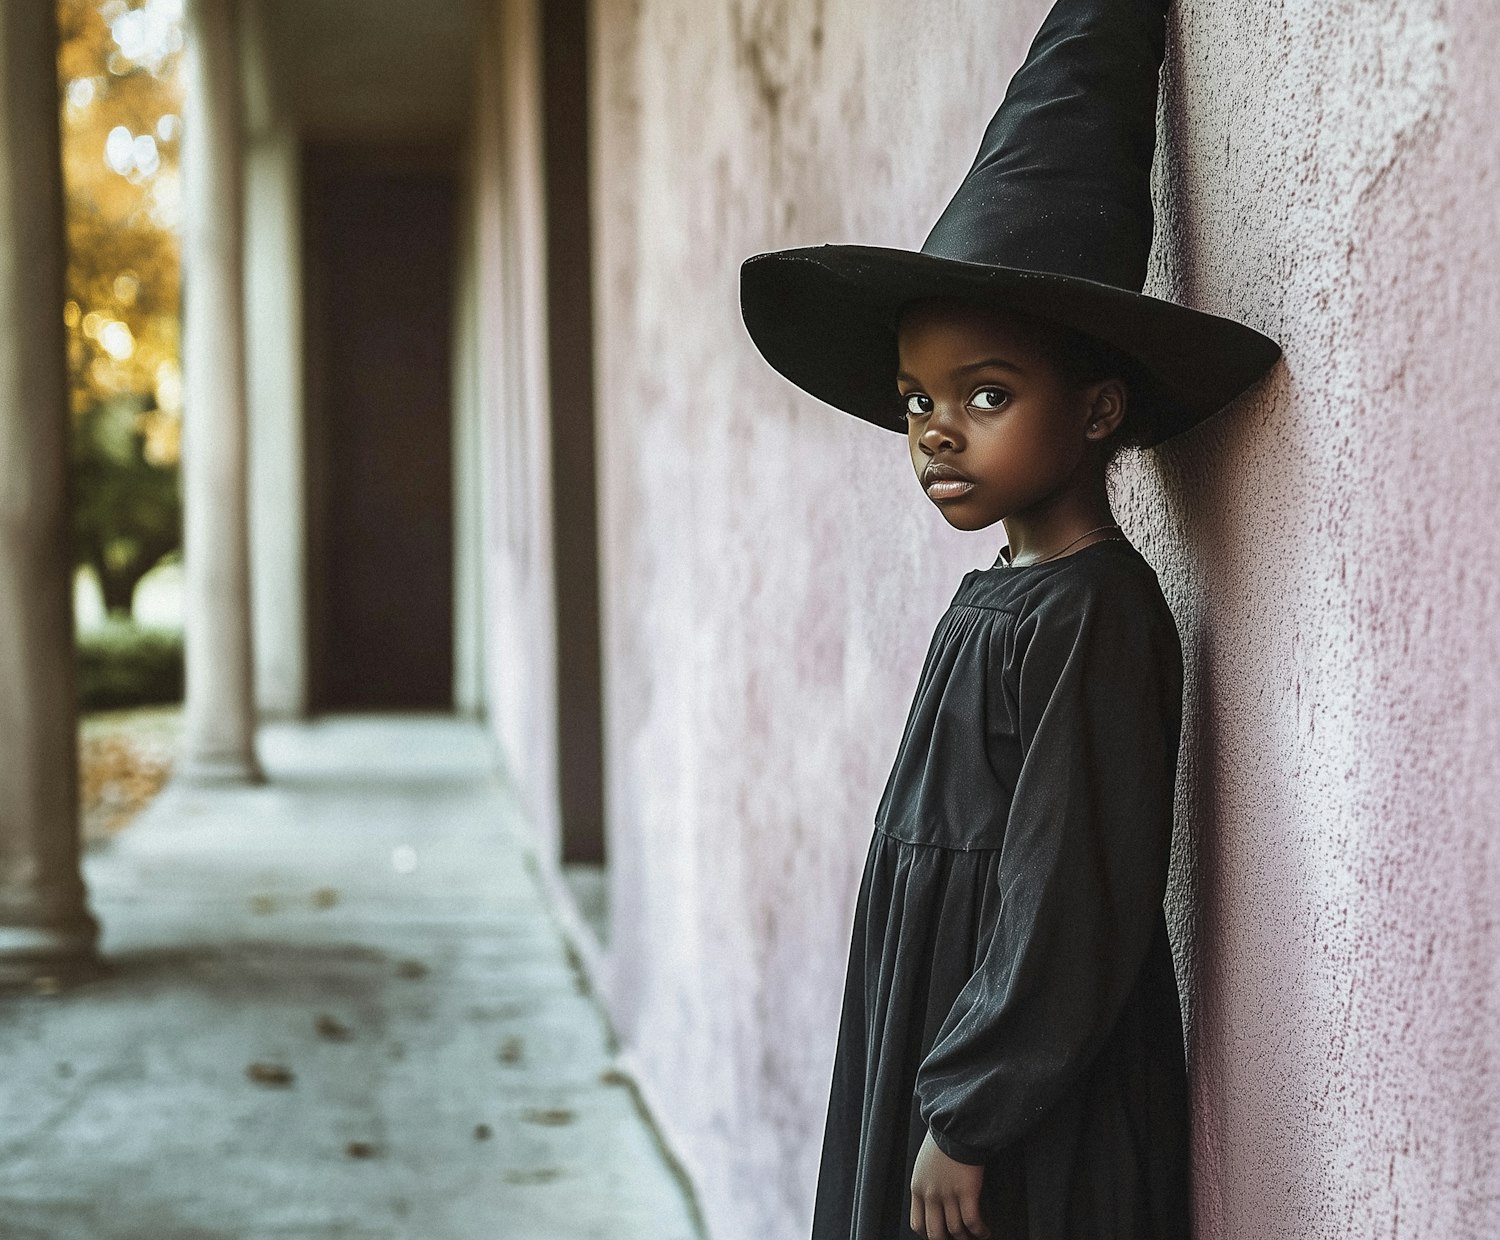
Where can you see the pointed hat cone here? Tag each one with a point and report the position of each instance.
(1054, 218)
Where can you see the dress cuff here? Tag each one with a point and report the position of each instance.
(973, 1155)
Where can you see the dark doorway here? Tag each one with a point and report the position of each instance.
(379, 228)
(565, 111)
(580, 751)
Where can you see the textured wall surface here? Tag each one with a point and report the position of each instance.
(772, 572)
(504, 242)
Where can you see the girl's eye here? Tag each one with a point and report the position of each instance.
(988, 398)
(917, 403)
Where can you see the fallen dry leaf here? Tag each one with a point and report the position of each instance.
(332, 1029)
(269, 1074)
(532, 1175)
(119, 772)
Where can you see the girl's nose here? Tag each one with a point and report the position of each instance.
(939, 432)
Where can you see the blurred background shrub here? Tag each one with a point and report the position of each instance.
(122, 663)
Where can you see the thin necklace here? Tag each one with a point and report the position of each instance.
(1113, 525)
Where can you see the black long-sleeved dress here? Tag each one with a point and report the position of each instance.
(1010, 982)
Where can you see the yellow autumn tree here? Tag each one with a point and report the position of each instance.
(120, 99)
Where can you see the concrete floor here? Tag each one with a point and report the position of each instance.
(334, 1006)
(589, 888)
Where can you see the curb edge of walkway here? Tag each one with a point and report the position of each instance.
(586, 959)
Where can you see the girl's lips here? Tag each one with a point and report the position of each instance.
(948, 488)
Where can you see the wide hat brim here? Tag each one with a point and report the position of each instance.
(825, 317)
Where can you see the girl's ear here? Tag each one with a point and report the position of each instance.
(1106, 408)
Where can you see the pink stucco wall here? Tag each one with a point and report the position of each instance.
(772, 573)
(1326, 550)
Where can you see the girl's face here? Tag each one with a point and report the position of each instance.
(994, 427)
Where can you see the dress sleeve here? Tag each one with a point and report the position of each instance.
(1082, 869)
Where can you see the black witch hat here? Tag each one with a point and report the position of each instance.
(1054, 219)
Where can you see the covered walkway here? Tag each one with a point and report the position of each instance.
(332, 1005)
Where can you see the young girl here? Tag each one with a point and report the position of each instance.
(1010, 1058)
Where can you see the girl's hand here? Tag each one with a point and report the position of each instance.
(945, 1196)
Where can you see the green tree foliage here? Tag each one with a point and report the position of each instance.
(127, 511)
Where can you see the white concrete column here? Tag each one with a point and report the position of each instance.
(274, 359)
(219, 713)
(44, 926)
(272, 248)
(470, 457)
